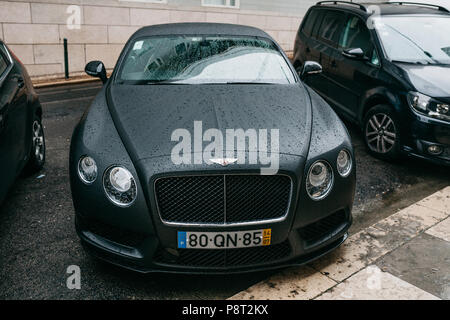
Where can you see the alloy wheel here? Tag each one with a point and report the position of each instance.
(381, 133)
(38, 141)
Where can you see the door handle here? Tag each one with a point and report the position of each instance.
(20, 82)
(308, 50)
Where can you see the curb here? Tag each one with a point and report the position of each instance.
(58, 83)
(349, 268)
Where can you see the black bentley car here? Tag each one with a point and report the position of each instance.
(138, 207)
(385, 68)
(22, 144)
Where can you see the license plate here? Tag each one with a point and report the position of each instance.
(224, 240)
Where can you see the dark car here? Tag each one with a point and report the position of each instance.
(386, 67)
(140, 206)
(22, 144)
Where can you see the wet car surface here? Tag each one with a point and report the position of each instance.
(38, 241)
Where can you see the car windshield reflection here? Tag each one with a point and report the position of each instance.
(204, 60)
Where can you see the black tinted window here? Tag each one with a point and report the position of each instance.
(355, 35)
(318, 22)
(331, 26)
(3, 64)
(310, 21)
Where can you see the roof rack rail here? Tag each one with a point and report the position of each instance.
(343, 2)
(440, 8)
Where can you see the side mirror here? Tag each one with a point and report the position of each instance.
(96, 69)
(354, 53)
(309, 68)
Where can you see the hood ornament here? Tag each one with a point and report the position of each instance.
(224, 161)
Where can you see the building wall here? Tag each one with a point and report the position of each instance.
(35, 29)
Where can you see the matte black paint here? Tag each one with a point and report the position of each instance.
(132, 126)
(353, 86)
(148, 114)
(18, 104)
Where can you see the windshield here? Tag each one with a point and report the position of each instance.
(200, 60)
(418, 39)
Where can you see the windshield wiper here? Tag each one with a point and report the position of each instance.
(411, 62)
(247, 82)
(147, 82)
(162, 82)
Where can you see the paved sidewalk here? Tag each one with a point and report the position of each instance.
(405, 256)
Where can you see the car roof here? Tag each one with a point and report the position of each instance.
(199, 29)
(386, 8)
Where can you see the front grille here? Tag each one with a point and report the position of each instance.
(324, 227)
(223, 199)
(225, 258)
(191, 199)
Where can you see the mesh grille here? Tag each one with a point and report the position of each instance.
(222, 199)
(226, 258)
(191, 199)
(252, 198)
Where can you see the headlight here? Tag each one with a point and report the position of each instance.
(344, 163)
(87, 169)
(319, 180)
(120, 186)
(429, 106)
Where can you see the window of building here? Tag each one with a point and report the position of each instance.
(221, 3)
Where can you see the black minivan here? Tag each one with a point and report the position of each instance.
(386, 67)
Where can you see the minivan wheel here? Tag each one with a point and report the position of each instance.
(37, 153)
(382, 132)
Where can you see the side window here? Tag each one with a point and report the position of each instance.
(309, 23)
(316, 27)
(3, 65)
(356, 35)
(331, 27)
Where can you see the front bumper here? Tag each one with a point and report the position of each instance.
(145, 254)
(425, 132)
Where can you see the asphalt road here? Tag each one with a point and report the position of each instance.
(38, 240)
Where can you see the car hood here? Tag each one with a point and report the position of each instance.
(433, 81)
(147, 115)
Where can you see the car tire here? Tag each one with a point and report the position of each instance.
(36, 158)
(381, 130)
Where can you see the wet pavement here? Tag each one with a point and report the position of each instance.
(38, 241)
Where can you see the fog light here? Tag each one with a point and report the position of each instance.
(87, 169)
(435, 150)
